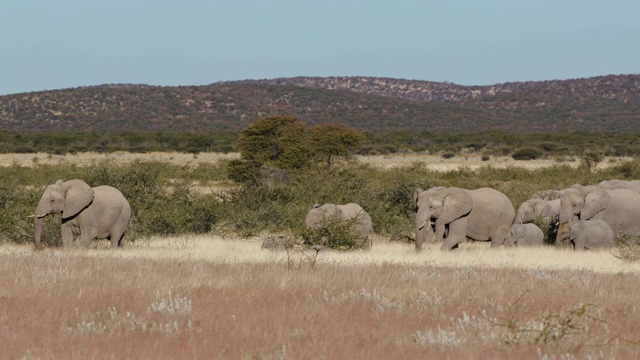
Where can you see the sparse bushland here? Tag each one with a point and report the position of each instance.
(554, 145)
(169, 199)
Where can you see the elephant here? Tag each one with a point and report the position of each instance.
(92, 213)
(619, 208)
(590, 234)
(620, 184)
(454, 214)
(361, 225)
(533, 209)
(547, 194)
(525, 235)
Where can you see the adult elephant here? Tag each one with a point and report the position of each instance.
(619, 208)
(353, 214)
(92, 213)
(620, 184)
(483, 214)
(532, 209)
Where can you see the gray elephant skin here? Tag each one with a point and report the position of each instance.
(525, 235)
(619, 208)
(620, 184)
(361, 228)
(92, 213)
(454, 214)
(547, 194)
(590, 234)
(538, 209)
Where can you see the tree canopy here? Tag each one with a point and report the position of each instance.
(285, 143)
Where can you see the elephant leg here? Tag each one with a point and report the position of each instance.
(457, 234)
(117, 235)
(579, 243)
(66, 232)
(498, 238)
(86, 235)
(439, 233)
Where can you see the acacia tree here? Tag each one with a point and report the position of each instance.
(328, 141)
(283, 142)
(277, 141)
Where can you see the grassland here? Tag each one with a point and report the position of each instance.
(217, 294)
(208, 297)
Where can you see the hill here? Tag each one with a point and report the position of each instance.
(606, 103)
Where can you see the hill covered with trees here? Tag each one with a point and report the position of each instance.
(606, 103)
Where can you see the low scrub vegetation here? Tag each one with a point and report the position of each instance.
(170, 199)
(494, 143)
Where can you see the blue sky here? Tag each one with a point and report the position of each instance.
(69, 43)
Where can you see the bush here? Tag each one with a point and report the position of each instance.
(334, 234)
(527, 153)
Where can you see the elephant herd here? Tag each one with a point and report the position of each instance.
(586, 217)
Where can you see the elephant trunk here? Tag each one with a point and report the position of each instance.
(423, 225)
(38, 224)
(562, 238)
(518, 219)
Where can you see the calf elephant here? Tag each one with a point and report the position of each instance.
(533, 209)
(525, 235)
(360, 222)
(590, 234)
(619, 208)
(483, 215)
(92, 213)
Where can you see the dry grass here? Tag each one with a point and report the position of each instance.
(207, 297)
(434, 162)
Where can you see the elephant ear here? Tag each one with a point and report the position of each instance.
(78, 195)
(594, 202)
(414, 199)
(456, 204)
(519, 232)
(542, 208)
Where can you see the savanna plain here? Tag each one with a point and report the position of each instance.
(217, 294)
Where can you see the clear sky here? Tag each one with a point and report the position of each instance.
(59, 44)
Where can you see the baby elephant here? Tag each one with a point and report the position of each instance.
(354, 214)
(590, 234)
(525, 235)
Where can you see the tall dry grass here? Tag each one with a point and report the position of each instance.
(204, 297)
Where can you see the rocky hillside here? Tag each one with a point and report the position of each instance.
(607, 103)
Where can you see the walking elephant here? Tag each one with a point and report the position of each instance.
(590, 234)
(92, 213)
(525, 235)
(534, 209)
(619, 208)
(454, 214)
(360, 222)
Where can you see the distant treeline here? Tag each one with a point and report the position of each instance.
(445, 144)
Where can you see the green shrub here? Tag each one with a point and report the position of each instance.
(527, 153)
(334, 234)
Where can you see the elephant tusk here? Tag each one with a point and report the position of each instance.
(422, 225)
(38, 216)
